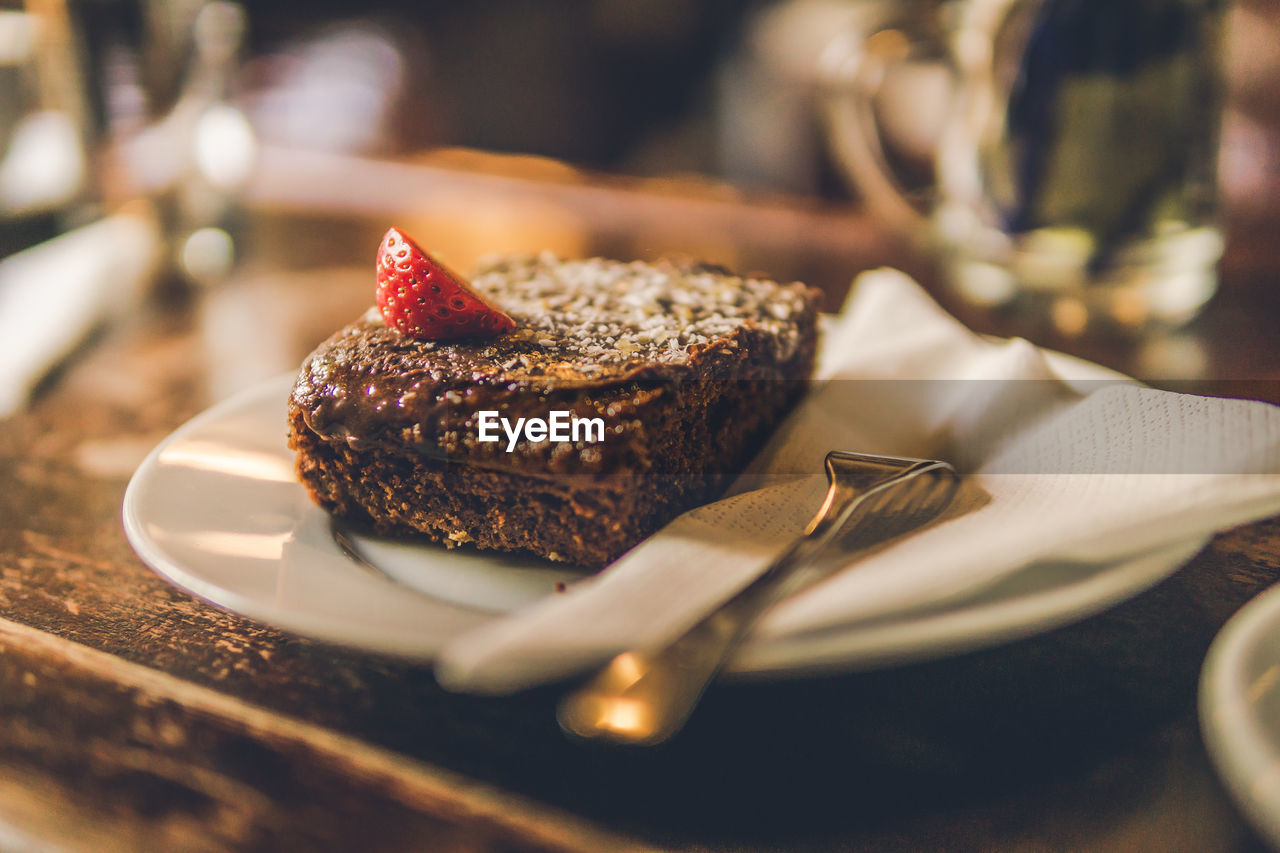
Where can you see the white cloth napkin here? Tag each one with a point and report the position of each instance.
(53, 294)
(1076, 464)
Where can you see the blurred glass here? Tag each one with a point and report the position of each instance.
(44, 124)
(1077, 150)
(121, 160)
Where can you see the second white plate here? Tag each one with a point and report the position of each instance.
(1240, 710)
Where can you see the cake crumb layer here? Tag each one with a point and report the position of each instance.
(689, 368)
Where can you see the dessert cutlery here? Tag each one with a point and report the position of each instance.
(645, 696)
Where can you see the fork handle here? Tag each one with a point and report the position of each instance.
(644, 697)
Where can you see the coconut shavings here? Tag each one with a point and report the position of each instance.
(612, 312)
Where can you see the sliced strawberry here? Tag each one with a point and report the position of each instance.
(425, 299)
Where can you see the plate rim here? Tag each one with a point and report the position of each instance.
(1237, 746)
(302, 623)
(825, 652)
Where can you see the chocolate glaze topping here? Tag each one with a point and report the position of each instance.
(596, 337)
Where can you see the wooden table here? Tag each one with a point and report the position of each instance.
(133, 716)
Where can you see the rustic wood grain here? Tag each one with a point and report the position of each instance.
(159, 763)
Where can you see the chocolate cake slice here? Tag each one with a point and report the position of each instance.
(674, 372)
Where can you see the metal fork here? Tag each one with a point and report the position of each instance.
(643, 697)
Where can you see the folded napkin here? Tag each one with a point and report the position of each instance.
(1074, 464)
(90, 274)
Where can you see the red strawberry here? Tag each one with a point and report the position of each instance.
(425, 299)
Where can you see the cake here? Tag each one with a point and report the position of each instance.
(675, 371)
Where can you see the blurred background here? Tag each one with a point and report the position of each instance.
(173, 143)
(722, 89)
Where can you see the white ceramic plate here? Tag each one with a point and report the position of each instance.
(216, 509)
(1240, 710)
